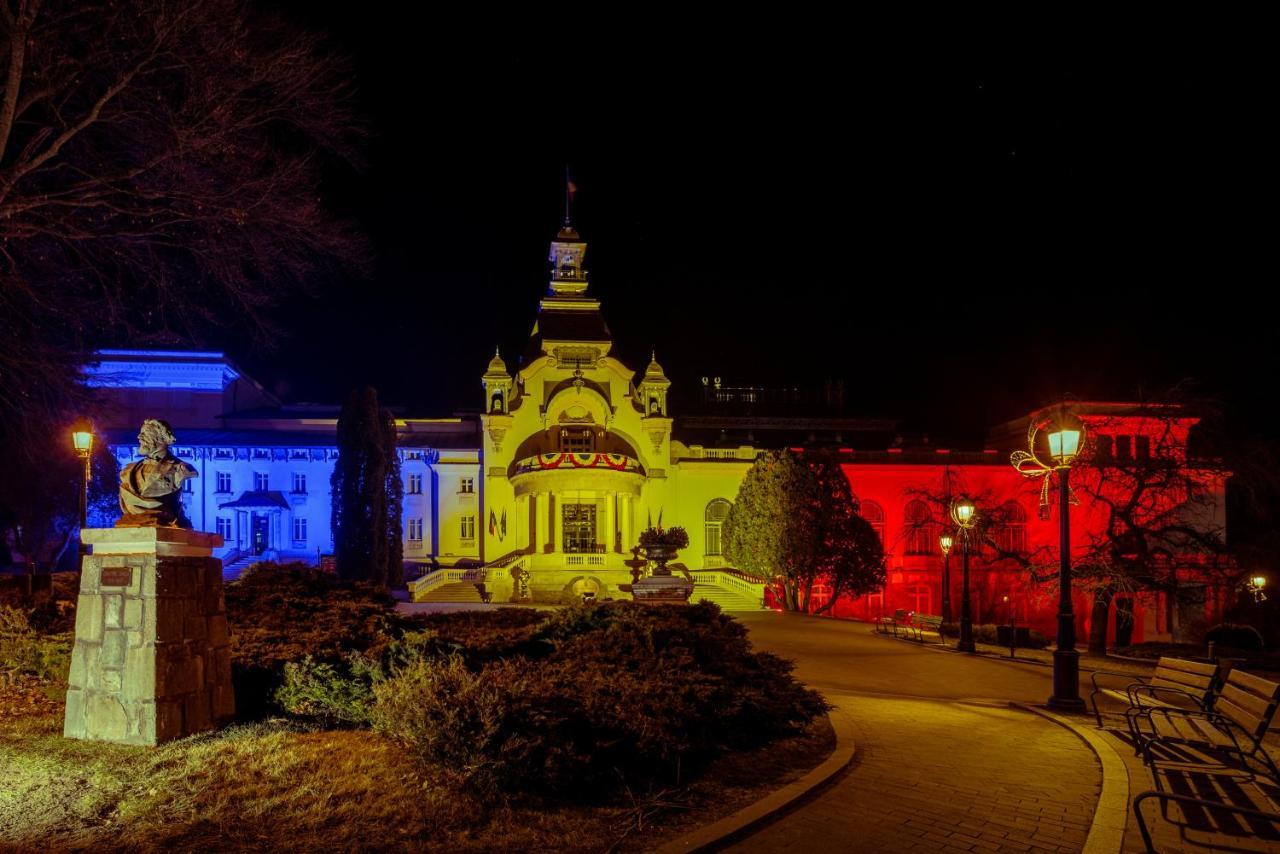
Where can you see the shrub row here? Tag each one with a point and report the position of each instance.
(577, 702)
(24, 650)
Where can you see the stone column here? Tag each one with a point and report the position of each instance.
(625, 511)
(542, 520)
(610, 522)
(151, 660)
(557, 524)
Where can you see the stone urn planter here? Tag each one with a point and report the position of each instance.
(660, 587)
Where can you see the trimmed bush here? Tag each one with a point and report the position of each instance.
(280, 613)
(1236, 636)
(579, 702)
(988, 633)
(616, 693)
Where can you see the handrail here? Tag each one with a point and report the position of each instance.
(754, 589)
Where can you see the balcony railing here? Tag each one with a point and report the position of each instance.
(569, 462)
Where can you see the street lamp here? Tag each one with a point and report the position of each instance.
(1256, 585)
(1065, 435)
(82, 441)
(945, 542)
(965, 515)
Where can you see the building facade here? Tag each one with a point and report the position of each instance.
(541, 495)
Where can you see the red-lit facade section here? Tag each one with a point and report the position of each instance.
(1134, 464)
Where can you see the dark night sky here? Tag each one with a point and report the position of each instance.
(958, 234)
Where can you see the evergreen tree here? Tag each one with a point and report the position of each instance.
(394, 536)
(366, 492)
(848, 553)
(795, 524)
(765, 532)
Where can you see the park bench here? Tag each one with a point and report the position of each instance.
(1234, 729)
(921, 623)
(1177, 683)
(885, 623)
(1203, 763)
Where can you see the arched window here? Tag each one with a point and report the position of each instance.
(918, 528)
(874, 514)
(717, 512)
(1012, 535)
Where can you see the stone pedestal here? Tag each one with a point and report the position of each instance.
(662, 590)
(151, 660)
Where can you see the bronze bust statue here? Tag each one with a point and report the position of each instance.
(151, 488)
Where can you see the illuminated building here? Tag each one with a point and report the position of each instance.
(544, 492)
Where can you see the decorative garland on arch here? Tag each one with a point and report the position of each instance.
(617, 462)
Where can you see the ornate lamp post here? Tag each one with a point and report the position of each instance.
(965, 515)
(1257, 584)
(1065, 436)
(82, 441)
(945, 542)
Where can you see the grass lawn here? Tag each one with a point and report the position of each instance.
(280, 785)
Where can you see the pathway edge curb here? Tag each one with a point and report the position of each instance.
(762, 811)
(1106, 833)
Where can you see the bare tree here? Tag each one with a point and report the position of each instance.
(160, 174)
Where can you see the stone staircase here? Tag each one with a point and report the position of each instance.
(458, 591)
(729, 589)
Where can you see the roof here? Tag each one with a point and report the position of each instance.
(464, 438)
(573, 325)
(257, 500)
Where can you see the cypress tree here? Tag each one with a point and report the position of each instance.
(366, 492)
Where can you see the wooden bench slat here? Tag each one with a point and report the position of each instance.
(1247, 721)
(1255, 684)
(1252, 703)
(1182, 680)
(1183, 665)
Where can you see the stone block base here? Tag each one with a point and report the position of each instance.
(151, 660)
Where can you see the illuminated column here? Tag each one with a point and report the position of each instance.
(557, 524)
(522, 522)
(541, 526)
(625, 510)
(610, 522)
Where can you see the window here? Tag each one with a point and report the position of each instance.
(468, 484)
(1142, 447)
(468, 527)
(1124, 445)
(918, 528)
(259, 481)
(717, 511)
(874, 514)
(415, 530)
(921, 598)
(1012, 533)
(224, 481)
(415, 484)
(224, 527)
(299, 530)
(1102, 447)
(299, 483)
(581, 441)
(188, 485)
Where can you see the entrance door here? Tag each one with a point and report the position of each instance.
(579, 528)
(260, 522)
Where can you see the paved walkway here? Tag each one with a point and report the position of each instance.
(943, 763)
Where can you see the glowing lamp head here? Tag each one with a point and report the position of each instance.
(82, 438)
(964, 512)
(1259, 581)
(945, 542)
(1064, 445)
